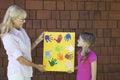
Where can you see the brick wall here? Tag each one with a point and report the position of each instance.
(101, 17)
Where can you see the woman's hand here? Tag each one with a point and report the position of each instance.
(40, 67)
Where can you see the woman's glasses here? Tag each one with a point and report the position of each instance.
(21, 20)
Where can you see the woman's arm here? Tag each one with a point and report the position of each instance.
(94, 70)
(37, 41)
(24, 61)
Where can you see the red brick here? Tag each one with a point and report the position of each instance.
(91, 6)
(70, 5)
(100, 24)
(64, 24)
(50, 5)
(115, 76)
(20, 3)
(51, 23)
(97, 50)
(115, 33)
(110, 51)
(100, 42)
(99, 32)
(55, 14)
(115, 6)
(43, 24)
(40, 52)
(74, 15)
(31, 33)
(84, 15)
(107, 41)
(100, 76)
(116, 51)
(104, 51)
(114, 15)
(2, 13)
(100, 68)
(32, 14)
(115, 60)
(60, 5)
(82, 24)
(104, 60)
(118, 41)
(50, 77)
(97, 15)
(81, 5)
(101, 6)
(44, 14)
(73, 24)
(39, 31)
(89, 24)
(28, 24)
(59, 77)
(58, 24)
(34, 4)
(112, 24)
(104, 15)
(107, 32)
(111, 68)
(64, 15)
(72, 77)
(66, 76)
(36, 24)
(42, 77)
(4, 4)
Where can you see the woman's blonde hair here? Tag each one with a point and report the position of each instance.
(13, 11)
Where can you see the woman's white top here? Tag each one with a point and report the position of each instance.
(16, 44)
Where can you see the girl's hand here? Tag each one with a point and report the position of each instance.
(69, 71)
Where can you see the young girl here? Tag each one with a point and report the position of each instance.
(17, 45)
(87, 60)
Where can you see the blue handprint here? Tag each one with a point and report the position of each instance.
(47, 54)
(48, 38)
(52, 62)
(67, 37)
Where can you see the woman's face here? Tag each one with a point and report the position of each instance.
(18, 22)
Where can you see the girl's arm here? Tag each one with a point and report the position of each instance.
(37, 41)
(94, 70)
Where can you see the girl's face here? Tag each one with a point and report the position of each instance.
(81, 42)
(18, 22)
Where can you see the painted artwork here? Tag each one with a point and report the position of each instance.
(59, 51)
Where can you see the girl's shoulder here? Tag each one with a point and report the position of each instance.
(92, 56)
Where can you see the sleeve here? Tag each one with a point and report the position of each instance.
(93, 57)
(11, 46)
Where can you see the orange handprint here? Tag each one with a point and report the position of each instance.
(60, 56)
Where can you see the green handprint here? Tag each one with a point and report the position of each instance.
(52, 62)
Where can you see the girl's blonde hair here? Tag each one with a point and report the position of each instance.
(89, 38)
(12, 12)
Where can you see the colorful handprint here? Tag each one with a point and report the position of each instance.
(47, 54)
(67, 37)
(70, 48)
(58, 48)
(69, 65)
(48, 38)
(58, 40)
(60, 56)
(52, 62)
(69, 56)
